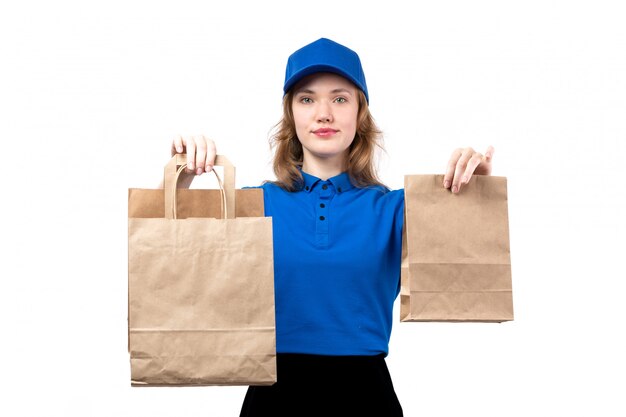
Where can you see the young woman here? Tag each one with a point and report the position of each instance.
(337, 241)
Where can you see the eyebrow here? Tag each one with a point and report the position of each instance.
(335, 91)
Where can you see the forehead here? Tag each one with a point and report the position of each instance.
(324, 81)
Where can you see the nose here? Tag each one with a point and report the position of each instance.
(324, 113)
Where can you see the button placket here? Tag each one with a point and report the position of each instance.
(321, 209)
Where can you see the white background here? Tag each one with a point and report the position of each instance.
(91, 94)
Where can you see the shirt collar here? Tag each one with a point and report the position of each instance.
(341, 182)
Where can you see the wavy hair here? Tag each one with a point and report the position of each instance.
(288, 155)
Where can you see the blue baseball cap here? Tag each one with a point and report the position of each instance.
(325, 55)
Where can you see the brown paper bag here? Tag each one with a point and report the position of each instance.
(456, 262)
(201, 289)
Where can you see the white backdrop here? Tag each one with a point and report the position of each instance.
(91, 94)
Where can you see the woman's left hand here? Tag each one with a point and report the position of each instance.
(465, 162)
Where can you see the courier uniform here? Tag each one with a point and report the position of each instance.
(337, 254)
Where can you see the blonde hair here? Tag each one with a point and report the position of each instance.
(288, 155)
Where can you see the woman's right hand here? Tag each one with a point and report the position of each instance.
(200, 152)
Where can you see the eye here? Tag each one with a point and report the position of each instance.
(340, 100)
(306, 100)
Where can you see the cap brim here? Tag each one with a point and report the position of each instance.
(306, 71)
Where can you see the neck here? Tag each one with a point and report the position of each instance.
(323, 168)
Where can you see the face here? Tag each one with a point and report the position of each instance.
(325, 108)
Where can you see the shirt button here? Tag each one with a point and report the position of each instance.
(324, 187)
(306, 188)
(322, 218)
(339, 189)
(322, 205)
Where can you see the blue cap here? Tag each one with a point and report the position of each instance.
(325, 55)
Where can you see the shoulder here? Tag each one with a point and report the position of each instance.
(265, 185)
(382, 192)
(381, 199)
(270, 188)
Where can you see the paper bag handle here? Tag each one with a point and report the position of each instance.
(174, 168)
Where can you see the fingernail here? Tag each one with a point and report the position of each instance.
(455, 189)
(465, 180)
(179, 149)
(198, 171)
(209, 168)
(446, 184)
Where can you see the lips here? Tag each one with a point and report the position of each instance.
(325, 132)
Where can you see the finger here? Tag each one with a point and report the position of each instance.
(459, 169)
(474, 161)
(177, 145)
(211, 152)
(191, 154)
(449, 174)
(489, 153)
(200, 154)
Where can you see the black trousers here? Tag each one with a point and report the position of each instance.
(325, 386)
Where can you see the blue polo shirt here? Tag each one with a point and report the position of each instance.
(337, 254)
